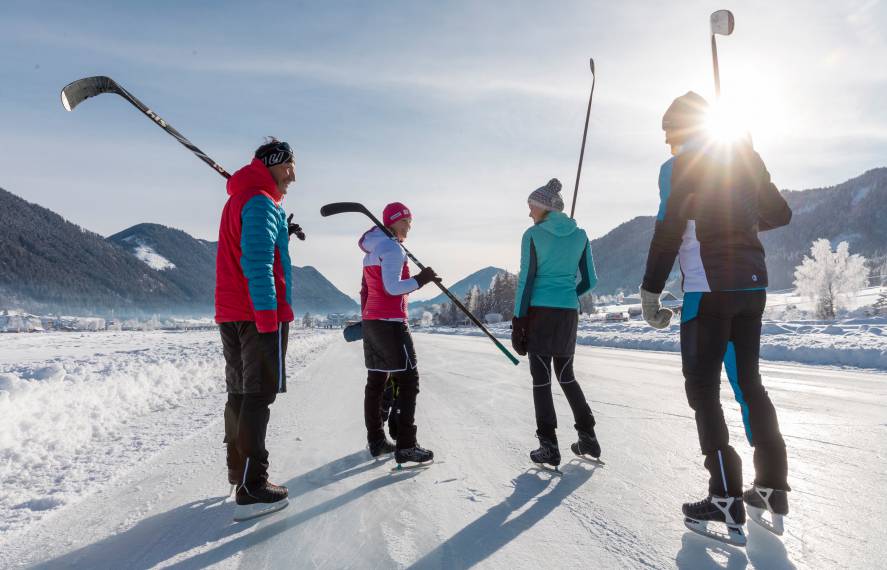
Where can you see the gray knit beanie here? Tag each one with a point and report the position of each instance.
(548, 197)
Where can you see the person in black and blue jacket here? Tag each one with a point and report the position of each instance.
(715, 198)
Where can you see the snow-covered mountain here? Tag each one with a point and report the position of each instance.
(853, 211)
(191, 264)
(50, 264)
(188, 262)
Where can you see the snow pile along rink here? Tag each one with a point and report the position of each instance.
(96, 404)
(858, 342)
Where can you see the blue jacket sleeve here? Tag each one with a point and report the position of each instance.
(670, 224)
(257, 239)
(526, 276)
(587, 274)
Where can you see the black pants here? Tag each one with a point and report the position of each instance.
(546, 418)
(404, 406)
(246, 423)
(724, 327)
(255, 374)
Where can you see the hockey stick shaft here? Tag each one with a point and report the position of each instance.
(92, 86)
(584, 136)
(160, 122)
(341, 207)
(714, 63)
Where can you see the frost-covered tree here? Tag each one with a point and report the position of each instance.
(880, 306)
(830, 278)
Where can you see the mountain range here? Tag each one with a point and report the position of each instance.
(481, 278)
(48, 264)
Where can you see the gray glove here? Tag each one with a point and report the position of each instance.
(654, 314)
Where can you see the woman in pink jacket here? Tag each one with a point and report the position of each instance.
(387, 344)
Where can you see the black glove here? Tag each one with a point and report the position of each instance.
(519, 328)
(425, 276)
(295, 228)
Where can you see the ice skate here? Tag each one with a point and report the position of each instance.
(767, 507)
(264, 500)
(705, 517)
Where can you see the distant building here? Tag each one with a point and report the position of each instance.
(336, 320)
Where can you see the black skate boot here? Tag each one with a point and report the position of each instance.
(761, 500)
(420, 457)
(705, 516)
(546, 454)
(380, 447)
(587, 446)
(262, 500)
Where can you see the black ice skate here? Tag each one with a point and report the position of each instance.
(417, 456)
(587, 447)
(547, 454)
(259, 501)
(380, 447)
(706, 516)
(774, 502)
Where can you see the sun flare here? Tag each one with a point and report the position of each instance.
(746, 108)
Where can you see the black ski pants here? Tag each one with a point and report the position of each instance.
(724, 328)
(546, 417)
(255, 373)
(246, 423)
(404, 408)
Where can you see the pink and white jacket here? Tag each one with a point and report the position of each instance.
(386, 278)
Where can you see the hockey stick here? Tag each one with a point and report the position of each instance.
(78, 91)
(721, 23)
(343, 207)
(584, 134)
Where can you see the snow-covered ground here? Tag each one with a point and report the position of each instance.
(77, 409)
(860, 342)
(482, 504)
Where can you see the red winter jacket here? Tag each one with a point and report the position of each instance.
(253, 267)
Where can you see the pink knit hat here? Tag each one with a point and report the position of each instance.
(393, 212)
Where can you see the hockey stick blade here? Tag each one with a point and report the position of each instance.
(343, 207)
(722, 22)
(78, 91)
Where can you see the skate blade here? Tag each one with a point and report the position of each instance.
(256, 510)
(775, 525)
(590, 459)
(406, 467)
(554, 470)
(734, 536)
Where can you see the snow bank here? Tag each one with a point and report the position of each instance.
(852, 342)
(96, 407)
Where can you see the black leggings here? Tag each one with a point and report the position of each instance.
(546, 418)
(404, 406)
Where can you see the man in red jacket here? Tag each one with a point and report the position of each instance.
(254, 309)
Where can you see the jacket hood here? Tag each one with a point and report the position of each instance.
(371, 239)
(254, 175)
(558, 224)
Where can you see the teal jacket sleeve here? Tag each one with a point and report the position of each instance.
(257, 241)
(526, 276)
(587, 274)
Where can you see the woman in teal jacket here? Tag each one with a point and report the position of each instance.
(556, 269)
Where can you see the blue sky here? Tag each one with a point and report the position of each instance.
(458, 109)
